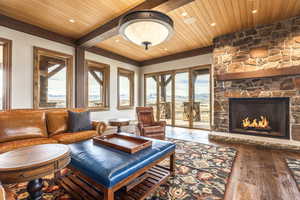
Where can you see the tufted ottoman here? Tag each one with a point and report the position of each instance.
(99, 171)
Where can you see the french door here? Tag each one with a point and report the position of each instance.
(181, 97)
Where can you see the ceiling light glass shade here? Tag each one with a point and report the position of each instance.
(146, 28)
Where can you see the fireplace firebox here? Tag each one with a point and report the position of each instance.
(267, 117)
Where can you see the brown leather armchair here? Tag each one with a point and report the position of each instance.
(147, 126)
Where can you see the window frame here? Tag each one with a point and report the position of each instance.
(105, 68)
(130, 74)
(191, 90)
(37, 52)
(7, 67)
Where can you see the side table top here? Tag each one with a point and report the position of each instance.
(119, 122)
(32, 156)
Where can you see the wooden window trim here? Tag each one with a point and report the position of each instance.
(106, 85)
(130, 75)
(7, 67)
(37, 52)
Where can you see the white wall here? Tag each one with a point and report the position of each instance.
(22, 63)
(114, 112)
(22, 72)
(171, 65)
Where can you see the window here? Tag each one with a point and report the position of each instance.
(98, 85)
(5, 73)
(125, 89)
(181, 97)
(52, 79)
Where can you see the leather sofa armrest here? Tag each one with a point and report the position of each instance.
(100, 127)
(6, 193)
(2, 192)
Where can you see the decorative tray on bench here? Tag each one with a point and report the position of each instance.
(129, 144)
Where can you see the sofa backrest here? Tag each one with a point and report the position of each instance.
(57, 120)
(22, 124)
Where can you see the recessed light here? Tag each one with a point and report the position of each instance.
(190, 20)
(254, 11)
(184, 14)
(72, 20)
(213, 24)
(117, 40)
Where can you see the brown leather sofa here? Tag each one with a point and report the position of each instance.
(21, 128)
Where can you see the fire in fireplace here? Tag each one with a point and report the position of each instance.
(255, 124)
(259, 116)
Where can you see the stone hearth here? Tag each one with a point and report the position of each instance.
(264, 47)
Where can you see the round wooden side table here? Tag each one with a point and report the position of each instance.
(31, 164)
(119, 123)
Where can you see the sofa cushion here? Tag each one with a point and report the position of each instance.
(57, 122)
(8, 146)
(67, 138)
(22, 125)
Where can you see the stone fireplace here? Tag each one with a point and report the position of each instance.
(267, 117)
(256, 64)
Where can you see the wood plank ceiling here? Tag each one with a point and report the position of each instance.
(192, 30)
(54, 15)
(229, 16)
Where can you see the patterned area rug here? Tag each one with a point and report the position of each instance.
(50, 189)
(202, 172)
(294, 166)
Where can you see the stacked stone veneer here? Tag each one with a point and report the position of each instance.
(280, 47)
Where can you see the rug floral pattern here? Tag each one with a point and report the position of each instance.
(51, 191)
(294, 166)
(202, 172)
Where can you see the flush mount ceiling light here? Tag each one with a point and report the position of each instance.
(146, 27)
(254, 11)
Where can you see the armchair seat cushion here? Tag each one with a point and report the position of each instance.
(8, 146)
(154, 129)
(68, 138)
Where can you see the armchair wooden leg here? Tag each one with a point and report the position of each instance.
(172, 163)
(57, 175)
(108, 194)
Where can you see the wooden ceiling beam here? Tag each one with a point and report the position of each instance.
(34, 30)
(110, 28)
(111, 55)
(176, 56)
(172, 5)
(43, 33)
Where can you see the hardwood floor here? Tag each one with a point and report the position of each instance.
(258, 173)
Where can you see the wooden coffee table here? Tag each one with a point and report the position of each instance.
(119, 123)
(31, 164)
